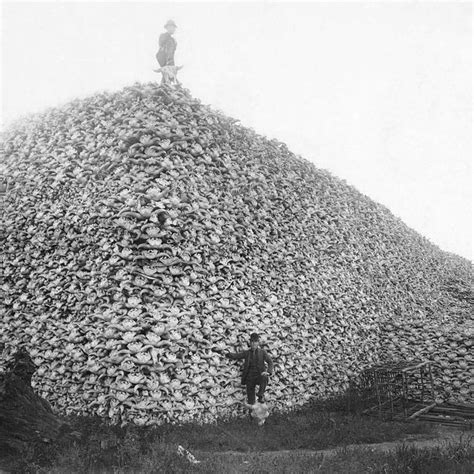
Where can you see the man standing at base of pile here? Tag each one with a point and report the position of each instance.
(253, 369)
(167, 45)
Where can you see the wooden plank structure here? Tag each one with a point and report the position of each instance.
(395, 386)
(450, 414)
(405, 391)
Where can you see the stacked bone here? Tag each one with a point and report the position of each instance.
(146, 234)
(448, 347)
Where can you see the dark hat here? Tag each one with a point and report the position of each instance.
(171, 23)
(254, 337)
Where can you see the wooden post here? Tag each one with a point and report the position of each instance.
(405, 396)
(431, 382)
(391, 389)
(377, 388)
(423, 410)
(422, 369)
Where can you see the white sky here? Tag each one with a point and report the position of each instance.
(380, 94)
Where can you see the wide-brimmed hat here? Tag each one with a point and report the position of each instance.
(170, 23)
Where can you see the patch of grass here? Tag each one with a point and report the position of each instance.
(453, 458)
(291, 462)
(456, 458)
(101, 447)
(449, 458)
(130, 449)
(124, 458)
(306, 428)
(101, 450)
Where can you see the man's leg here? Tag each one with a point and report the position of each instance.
(161, 58)
(251, 383)
(262, 382)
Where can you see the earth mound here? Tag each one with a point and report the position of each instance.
(146, 233)
(25, 417)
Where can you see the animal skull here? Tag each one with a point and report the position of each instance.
(260, 411)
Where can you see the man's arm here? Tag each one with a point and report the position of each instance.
(269, 362)
(163, 40)
(235, 355)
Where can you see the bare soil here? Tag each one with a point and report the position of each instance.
(442, 437)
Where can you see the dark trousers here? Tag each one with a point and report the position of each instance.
(251, 383)
(164, 59)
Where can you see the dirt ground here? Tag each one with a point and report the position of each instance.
(244, 460)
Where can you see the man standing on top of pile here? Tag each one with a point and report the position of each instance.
(253, 369)
(167, 44)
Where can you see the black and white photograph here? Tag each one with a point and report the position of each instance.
(236, 237)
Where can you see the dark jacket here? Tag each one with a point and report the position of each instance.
(165, 55)
(262, 357)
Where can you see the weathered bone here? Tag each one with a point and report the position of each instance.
(169, 74)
